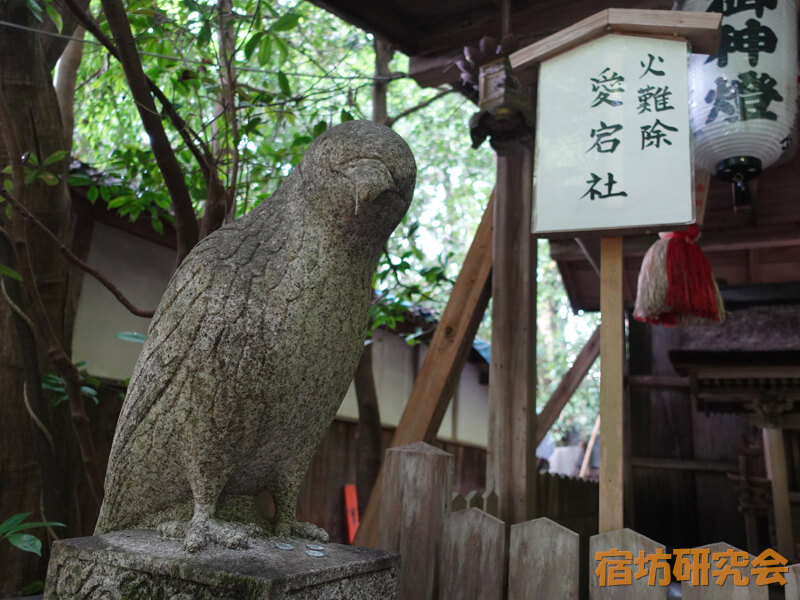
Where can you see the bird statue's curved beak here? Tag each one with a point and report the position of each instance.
(370, 178)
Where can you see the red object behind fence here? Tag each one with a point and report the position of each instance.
(351, 510)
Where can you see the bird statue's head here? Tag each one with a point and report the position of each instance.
(362, 174)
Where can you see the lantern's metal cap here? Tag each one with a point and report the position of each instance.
(739, 168)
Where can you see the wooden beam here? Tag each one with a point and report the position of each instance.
(776, 465)
(682, 464)
(702, 30)
(444, 361)
(511, 460)
(587, 455)
(657, 381)
(433, 71)
(612, 347)
(566, 388)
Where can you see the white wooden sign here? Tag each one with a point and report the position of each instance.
(613, 143)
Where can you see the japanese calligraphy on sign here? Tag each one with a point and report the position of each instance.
(613, 137)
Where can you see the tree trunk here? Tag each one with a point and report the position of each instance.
(369, 452)
(31, 475)
(380, 85)
(221, 199)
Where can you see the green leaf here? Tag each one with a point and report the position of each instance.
(26, 542)
(9, 272)
(320, 128)
(252, 43)
(93, 193)
(283, 82)
(283, 50)
(55, 16)
(346, 116)
(48, 178)
(205, 34)
(286, 23)
(122, 200)
(90, 392)
(35, 9)
(131, 336)
(158, 226)
(264, 50)
(54, 157)
(10, 523)
(36, 524)
(79, 180)
(8, 186)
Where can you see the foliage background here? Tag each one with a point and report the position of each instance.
(300, 71)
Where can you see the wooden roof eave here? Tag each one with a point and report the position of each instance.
(701, 30)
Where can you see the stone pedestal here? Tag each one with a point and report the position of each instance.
(139, 564)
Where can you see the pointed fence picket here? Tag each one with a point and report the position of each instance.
(728, 590)
(454, 546)
(793, 582)
(543, 561)
(472, 556)
(623, 540)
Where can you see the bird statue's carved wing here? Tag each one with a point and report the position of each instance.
(206, 298)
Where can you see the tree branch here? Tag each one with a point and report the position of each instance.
(186, 225)
(195, 144)
(73, 258)
(392, 120)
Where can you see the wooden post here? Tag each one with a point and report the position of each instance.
(511, 461)
(443, 363)
(780, 492)
(417, 489)
(612, 348)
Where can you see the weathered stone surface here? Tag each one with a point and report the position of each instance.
(254, 344)
(140, 565)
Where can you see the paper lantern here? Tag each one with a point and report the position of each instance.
(743, 101)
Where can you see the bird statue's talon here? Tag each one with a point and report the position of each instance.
(310, 531)
(197, 534)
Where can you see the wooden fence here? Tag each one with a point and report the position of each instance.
(454, 547)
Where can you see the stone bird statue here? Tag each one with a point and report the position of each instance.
(254, 345)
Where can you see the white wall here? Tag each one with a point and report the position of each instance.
(141, 270)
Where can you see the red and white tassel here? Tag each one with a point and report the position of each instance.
(676, 286)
